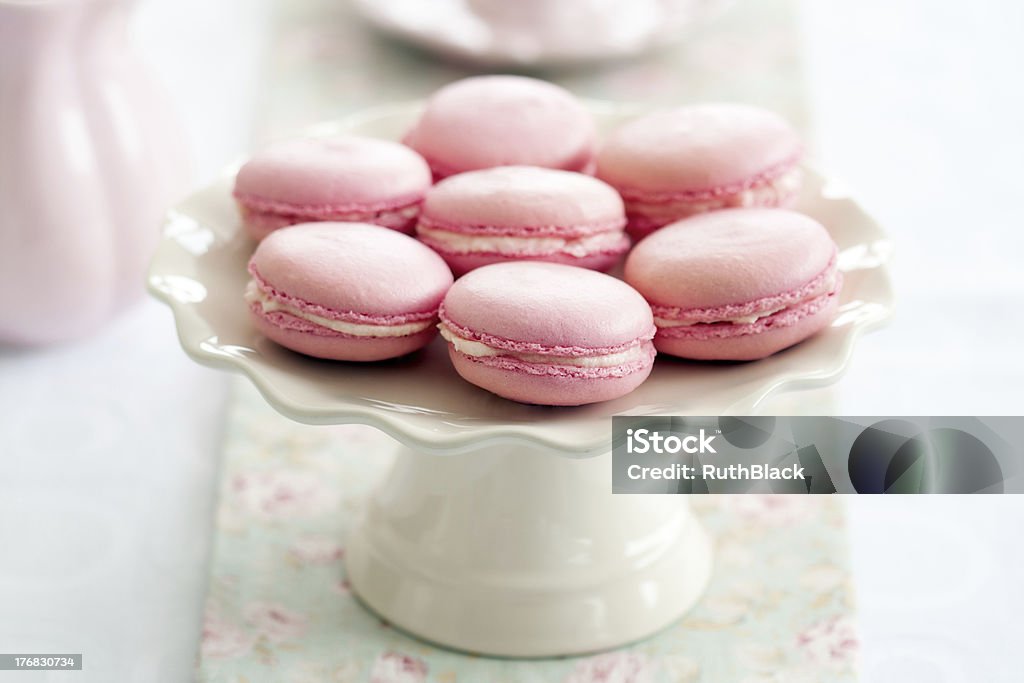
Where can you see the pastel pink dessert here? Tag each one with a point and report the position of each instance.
(680, 162)
(740, 284)
(487, 121)
(346, 291)
(548, 333)
(515, 213)
(352, 179)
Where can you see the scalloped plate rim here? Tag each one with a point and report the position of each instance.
(190, 326)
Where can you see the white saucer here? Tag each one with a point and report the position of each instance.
(528, 33)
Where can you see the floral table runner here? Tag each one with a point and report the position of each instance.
(279, 607)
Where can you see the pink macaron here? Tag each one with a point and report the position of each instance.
(680, 162)
(515, 213)
(346, 178)
(739, 284)
(488, 121)
(346, 291)
(548, 333)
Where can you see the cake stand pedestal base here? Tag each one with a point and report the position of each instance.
(521, 552)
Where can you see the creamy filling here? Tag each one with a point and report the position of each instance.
(406, 213)
(742, 320)
(461, 243)
(765, 194)
(253, 294)
(480, 350)
(828, 284)
(783, 186)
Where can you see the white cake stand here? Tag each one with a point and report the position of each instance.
(512, 543)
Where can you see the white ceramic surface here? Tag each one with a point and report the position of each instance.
(511, 551)
(199, 270)
(538, 32)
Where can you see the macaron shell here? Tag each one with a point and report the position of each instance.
(488, 121)
(549, 304)
(603, 261)
(324, 344)
(259, 224)
(700, 147)
(545, 201)
(729, 257)
(647, 216)
(353, 267)
(750, 346)
(546, 389)
(339, 173)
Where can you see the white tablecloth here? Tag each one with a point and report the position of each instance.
(109, 447)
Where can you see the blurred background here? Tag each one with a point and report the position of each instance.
(110, 445)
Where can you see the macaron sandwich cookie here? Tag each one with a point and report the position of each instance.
(346, 178)
(678, 162)
(738, 284)
(346, 291)
(487, 121)
(547, 333)
(523, 212)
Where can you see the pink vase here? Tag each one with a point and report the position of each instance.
(90, 157)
